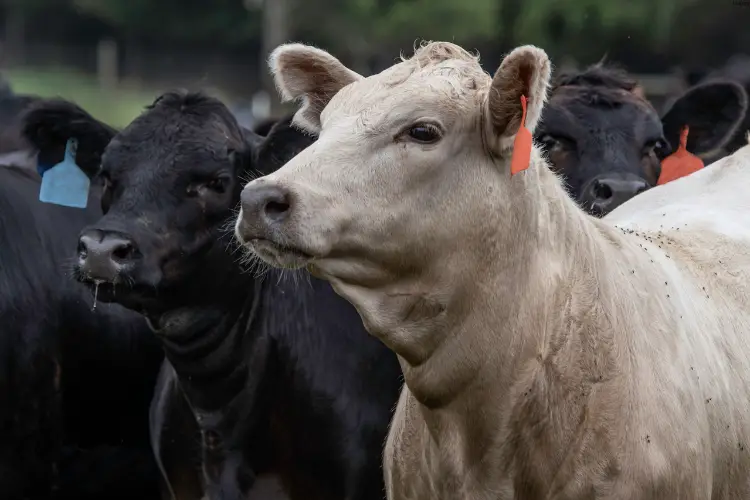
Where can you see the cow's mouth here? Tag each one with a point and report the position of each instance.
(120, 291)
(278, 255)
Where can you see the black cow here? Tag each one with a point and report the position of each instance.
(607, 141)
(75, 384)
(263, 375)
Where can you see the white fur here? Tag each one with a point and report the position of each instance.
(546, 354)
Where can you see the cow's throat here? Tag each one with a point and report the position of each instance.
(208, 348)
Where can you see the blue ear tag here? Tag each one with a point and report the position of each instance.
(65, 183)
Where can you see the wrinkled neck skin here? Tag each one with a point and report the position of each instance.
(214, 344)
(222, 356)
(476, 314)
(206, 348)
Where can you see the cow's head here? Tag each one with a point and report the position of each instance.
(170, 183)
(607, 141)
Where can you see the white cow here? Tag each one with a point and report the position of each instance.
(546, 354)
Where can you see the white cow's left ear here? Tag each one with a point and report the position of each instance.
(526, 71)
(311, 75)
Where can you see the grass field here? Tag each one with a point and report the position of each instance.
(116, 108)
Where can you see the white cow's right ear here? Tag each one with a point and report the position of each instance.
(310, 75)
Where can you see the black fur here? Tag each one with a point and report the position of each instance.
(598, 131)
(72, 382)
(263, 376)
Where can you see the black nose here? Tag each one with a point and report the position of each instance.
(604, 194)
(264, 204)
(104, 256)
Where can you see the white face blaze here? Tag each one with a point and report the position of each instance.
(391, 186)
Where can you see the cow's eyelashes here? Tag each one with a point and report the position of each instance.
(217, 185)
(106, 180)
(657, 146)
(106, 198)
(423, 133)
(550, 141)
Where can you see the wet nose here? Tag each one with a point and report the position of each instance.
(605, 194)
(266, 201)
(262, 205)
(104, 256)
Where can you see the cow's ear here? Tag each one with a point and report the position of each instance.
(309, 75)
(713, 111)
(242, 156)
(284, 141)
(48, 124)
(263, 127)
(526, 71)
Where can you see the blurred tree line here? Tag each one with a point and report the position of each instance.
(645, 35)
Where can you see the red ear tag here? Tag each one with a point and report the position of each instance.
(680, 163)
(522, 145)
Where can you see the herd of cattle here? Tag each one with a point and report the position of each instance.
(461, 333)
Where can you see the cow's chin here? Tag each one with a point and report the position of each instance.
(276, 255)
(139, 298)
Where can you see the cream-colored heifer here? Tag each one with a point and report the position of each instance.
(546, 354)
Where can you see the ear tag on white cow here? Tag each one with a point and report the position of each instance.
(521, 145)
(66, 184)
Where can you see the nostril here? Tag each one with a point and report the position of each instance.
(276, 208)
(123, 252)
(602, 191)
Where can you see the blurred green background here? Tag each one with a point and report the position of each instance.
(114, 56)
(117, 109)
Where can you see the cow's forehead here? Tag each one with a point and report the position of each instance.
(155, 155)
(451, 86)
(158, 136)
(570, 108)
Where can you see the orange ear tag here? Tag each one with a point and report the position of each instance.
(680, 163)
(522, 145)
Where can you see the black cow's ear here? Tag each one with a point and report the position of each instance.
(713, 111)
(240, 158)
(243, 157)
(284, 141)
(49, 123)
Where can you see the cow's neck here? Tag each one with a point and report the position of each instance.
(499, 318)
(208, 344)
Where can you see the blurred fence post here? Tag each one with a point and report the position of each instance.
(106, 64)
(275, 32)
(261, 105)
(14, 45)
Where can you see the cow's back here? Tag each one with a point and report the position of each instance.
(693, 236)
(106, 359)
(716, 199)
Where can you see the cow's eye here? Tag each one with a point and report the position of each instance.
(106, 180)
(106, 198)
(549, 142)
(424, 133)
(657, 147)
(217, 185)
